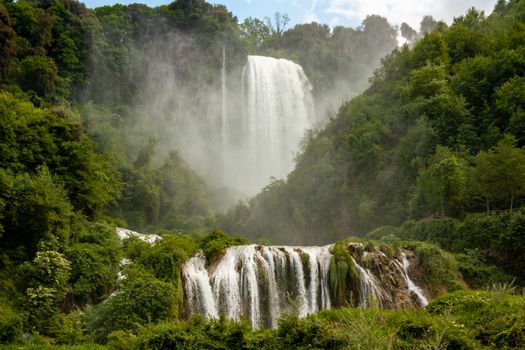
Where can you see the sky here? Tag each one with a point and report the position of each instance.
(338, 12)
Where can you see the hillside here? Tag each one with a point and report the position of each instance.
(440, 130)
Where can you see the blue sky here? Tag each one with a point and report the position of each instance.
(335, 12)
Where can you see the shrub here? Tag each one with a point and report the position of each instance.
(440, 267)
(122, 340)
(10, 324)
(67, 329)
(141, 299)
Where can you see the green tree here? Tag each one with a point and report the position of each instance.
(500, 172)
(509, 107)
(37, 210)
(48, 275)
(39, 74)
(7, 43)
(254, 32)
(442, 185)
(95, 258)
(278, 24)
(140, 299)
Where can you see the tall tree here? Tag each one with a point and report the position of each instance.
(501, 172)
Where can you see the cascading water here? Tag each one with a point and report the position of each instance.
(261, 282)
(411, 285)
(198, 288)
(278, 109)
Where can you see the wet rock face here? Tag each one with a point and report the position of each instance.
(391, 282)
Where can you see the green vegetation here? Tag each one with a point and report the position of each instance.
(437, 139)
(460, 320)
(437, 132)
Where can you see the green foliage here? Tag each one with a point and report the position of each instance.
(294, 333)
(480, 240)
(384, 231)
(38, 75)
(494, 319)
(46, 280)
(214, 244)
(443, 232)
(171, 197)
(441, 268)
(37, 210)
(10, 324)
(122, 340)
(164, 259)
(254, 32)
(476, 271)
(194, 334)
(33, 137)
(461, 320)
(442, 186)
(500, 173)
(343, 274)
(7, 43)
(67, 329)
(364, 330)
(140, 299)
(500, 238)
(95, 259)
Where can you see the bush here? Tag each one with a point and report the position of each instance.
(440, 267)
(214, 243)
(194, 334)
(141, 299)
(383, 231)
(67, 329)
(495, 318)
(10, 324)
(95, 262)
(477, 272)
(443, 232)
(122, 340)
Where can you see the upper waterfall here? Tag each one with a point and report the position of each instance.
(277, 108)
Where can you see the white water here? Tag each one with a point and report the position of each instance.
(262, 282)
(259, 282)
(411, 285)
(124, 233)
(278, 109)
(197, 287)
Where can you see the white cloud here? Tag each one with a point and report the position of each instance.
(410, 11)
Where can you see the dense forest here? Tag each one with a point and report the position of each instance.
(427, 155)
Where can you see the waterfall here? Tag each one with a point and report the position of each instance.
(411, 285)
(197, 287)
(369, 293)
(277, 109)
(261, 282)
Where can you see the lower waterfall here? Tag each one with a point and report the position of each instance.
(261, 282)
